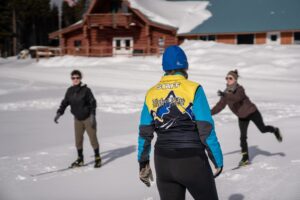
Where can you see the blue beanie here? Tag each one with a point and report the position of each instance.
(174, 58)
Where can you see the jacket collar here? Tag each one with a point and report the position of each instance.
(80, 85)
(175, 77)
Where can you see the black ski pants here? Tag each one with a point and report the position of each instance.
(257, 119)
(176, 175)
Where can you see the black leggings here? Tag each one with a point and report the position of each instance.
(257, 119)
(175, 175)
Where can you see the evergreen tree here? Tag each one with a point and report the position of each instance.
(5, 29)
(35, 19)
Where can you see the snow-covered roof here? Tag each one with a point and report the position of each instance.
(238, 16)
(215, 16)
(184, 15)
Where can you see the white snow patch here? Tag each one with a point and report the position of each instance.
(43, 153)
(184, 15)
(148, 198)
(267, 166)
(20, 178)
(23, 158)
(3, 92)
(295, 161)
(236, 177)
(37, 104)
(110, 103)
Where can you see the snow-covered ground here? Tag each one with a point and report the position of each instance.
(31, 143)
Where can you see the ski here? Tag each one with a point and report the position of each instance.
(58, 170)
(242, 166)
(235, 168)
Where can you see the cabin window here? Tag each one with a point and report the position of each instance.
(297, 38)
(203, 37)
(77, 43)
(207, 37)
(118, 44)
(116, 5)
(124, 7)
(161, 42)
(127, 44)
(274, 38)
(211, 38)
(245, 39)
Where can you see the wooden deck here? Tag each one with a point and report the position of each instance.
(109, 20)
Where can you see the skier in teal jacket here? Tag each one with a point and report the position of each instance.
(178, 111)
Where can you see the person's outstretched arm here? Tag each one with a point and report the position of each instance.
(63, 105)
(206, 129)
(146, 133)
(219, 106)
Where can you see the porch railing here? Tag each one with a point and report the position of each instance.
(98, 51)
(113, 20)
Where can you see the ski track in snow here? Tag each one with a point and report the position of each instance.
(272, 111)
(26, 167)
(109, 103)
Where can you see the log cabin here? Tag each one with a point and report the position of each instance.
(273, 22)
(113, 27)
(119, 27)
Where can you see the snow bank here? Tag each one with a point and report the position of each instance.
(207, 57)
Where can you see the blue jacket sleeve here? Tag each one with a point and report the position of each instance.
(146, 133)
(206, 129)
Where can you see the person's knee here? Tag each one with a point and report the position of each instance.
(263, 129)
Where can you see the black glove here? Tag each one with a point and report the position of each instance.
(146, 173)
(218, 172)
(57, 117)
(220, 93)
(93, 121)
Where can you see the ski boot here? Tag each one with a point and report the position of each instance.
(77, 163)
(98, 162)
(278, 135)
(245, 159)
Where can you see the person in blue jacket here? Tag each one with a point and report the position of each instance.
(177, 110)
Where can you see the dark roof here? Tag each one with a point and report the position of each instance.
(238, 16)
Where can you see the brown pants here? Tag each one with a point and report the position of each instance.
(80, 127)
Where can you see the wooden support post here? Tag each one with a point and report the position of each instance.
(37, 55)
(148, 38)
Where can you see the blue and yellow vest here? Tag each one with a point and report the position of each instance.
(177, 110)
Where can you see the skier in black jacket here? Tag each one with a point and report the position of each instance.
(83, 107)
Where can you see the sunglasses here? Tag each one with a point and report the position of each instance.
(75, 78)
(229, 78)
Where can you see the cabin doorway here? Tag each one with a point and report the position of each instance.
(297, 38)
(122, 46)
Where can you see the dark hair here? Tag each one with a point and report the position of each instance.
(76, 72)
(237, 73)
(174, 71)
(234, 73)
